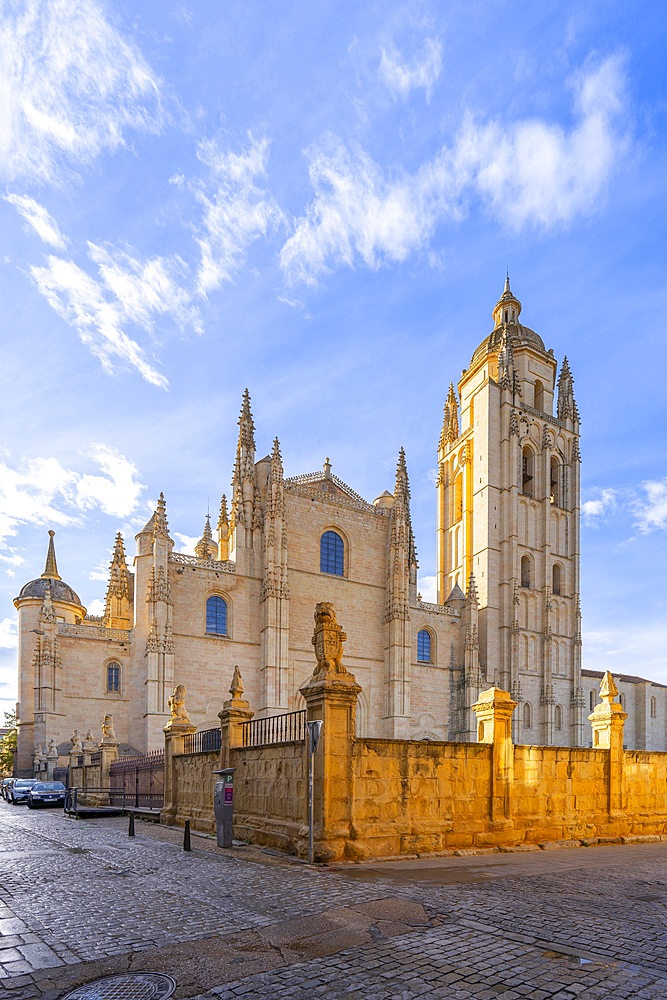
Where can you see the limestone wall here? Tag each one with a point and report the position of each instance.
(270, 795)
(194, 783)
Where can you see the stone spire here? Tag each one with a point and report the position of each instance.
(275, 534)
(471, 596)
(160, 524)
(51, 567)
(567, 406)
(223, 530)
(507, 308)
(401, 509)
(118, 600)
(206, 548)
(450, 422)
(246, 506)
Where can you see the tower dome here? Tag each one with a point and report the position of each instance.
(60, 591)
(506, 317)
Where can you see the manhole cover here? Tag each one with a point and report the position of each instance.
(134, 986)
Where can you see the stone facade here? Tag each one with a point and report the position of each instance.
(507, 611)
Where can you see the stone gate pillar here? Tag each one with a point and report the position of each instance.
(234, 713)
(331, 695)
(178, 727)
(494, 710)
(608, 721)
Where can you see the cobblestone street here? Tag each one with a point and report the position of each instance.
(80, 900)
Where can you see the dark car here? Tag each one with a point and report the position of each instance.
(20, 790)
(46, 793)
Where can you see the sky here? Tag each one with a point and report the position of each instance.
(319, 201)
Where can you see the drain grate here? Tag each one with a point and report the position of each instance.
(133, 986)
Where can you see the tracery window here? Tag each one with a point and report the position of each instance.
(216, 615)
(332, 553)
(424, 646)
(113, 678)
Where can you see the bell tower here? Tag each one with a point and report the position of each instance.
(509, 513)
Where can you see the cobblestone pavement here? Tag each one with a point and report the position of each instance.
(79, 900)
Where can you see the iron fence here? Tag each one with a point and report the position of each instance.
(138, 781)
(204, 742)
(61, 774)
(287, 728)
(95, 758)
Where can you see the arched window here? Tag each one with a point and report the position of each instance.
(216, 615)
(113, 678)
(591, 700)
(525, 571)
(539, 395)
(558, 717)
(457, 512)
(527, 715)
(654, 708)
(527, 487)
(424, 646)
(555, 485)
(555, 579)
(332, 553)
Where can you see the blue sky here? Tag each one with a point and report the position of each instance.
(319, 201)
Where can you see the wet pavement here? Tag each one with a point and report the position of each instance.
(80, 900)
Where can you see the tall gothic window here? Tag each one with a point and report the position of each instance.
(539, 395)
(216, 616)
(527, 473)
(527, 715)
(555, 484)
(558, 717)
(332, 553)
(424, 646)
(654, 708)
(525, 571)
(556, 579)
(113, 678)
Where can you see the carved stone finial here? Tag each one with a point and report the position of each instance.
(328, 639)
(108, 734)
(89, 742)
(327, 468)
(179, 713)
(236, 687)
(608, 689)
(51, 567)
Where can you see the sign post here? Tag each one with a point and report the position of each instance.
(223, 806)
(314, 730)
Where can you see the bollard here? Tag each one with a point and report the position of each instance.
(130, 829)
(186, 836)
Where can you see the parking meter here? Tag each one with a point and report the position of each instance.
(223, 806)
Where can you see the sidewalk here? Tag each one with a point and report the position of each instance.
(81, 900)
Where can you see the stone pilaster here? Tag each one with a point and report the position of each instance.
(607, 722)
(494, 725)
(174, 736)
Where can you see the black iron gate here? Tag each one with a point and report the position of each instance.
(138, 781)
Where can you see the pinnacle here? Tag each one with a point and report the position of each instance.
(222, 519)
(51, 567)
(207, 528)
(472, 589)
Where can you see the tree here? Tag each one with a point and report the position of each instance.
(8, 746)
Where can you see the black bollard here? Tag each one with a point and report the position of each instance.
(186, 836)
(130, 829)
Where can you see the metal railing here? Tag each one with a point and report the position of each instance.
(204, 742)
(138, 781)
(95, 758)
(287, 728)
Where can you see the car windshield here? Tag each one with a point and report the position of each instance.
(26, 783)
(49, 786)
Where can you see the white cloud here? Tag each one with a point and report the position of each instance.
(651, 510)
(96, 607)
(41, 221)
(526, 172)
(186, 543)
(235, 210)
(402, 77)
(9, 633)
(428, 588)
(537, 172)
(358, 213)
(44, 492)
(70, 87)
(601, 505)
(81, 301)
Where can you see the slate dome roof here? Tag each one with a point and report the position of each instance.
(60, 591)
(520, 336)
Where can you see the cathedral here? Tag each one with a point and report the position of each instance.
(508, 608)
